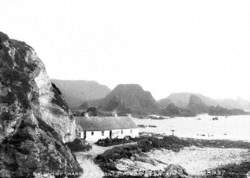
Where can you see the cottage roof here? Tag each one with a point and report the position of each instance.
(105, 123)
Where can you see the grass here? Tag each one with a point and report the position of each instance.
(79, 145)
(116, 141)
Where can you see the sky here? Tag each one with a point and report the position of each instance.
(165, 46)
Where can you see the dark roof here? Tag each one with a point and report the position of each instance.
(105, 123)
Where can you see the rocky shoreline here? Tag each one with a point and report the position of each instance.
(35, 121)
(134, 161)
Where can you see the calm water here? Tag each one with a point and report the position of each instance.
(202, 126)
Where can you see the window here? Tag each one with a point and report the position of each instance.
(92, 133)
(103, 133)
(121, 131)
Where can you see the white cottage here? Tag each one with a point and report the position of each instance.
(94, 128)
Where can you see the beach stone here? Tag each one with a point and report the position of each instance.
(175, 171)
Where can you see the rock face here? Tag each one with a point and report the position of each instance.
(184, 104)
(34, 119)
(220, 111)
(163, 103)
(129, 98)
(76, 92)
(182, 100)
(173, 111)
(196, 105)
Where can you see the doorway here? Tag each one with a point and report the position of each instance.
(110, 134)
(85, 135)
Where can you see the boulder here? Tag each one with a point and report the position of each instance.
(175, 171)
(35, 122)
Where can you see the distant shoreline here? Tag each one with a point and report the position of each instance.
(200, 127)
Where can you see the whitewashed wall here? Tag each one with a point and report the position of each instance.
(135, 133)
(118, 133)
(125, 132)
(96, 136)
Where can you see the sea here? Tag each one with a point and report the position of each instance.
(201, 127)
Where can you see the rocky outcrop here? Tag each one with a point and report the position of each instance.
(173, 111)
(220, 111)
(34, 119)
(129, 98)
(196, 105)
(163, 103)
(145, 166)
(176, 171)
(182, 99)
(77, 92)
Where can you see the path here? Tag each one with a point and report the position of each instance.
(85, 160)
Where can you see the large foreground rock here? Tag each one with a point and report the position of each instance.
(34, 119)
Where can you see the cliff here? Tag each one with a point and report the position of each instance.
(76, 92)
(34, 119)
(129, 98)
(196, 105)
